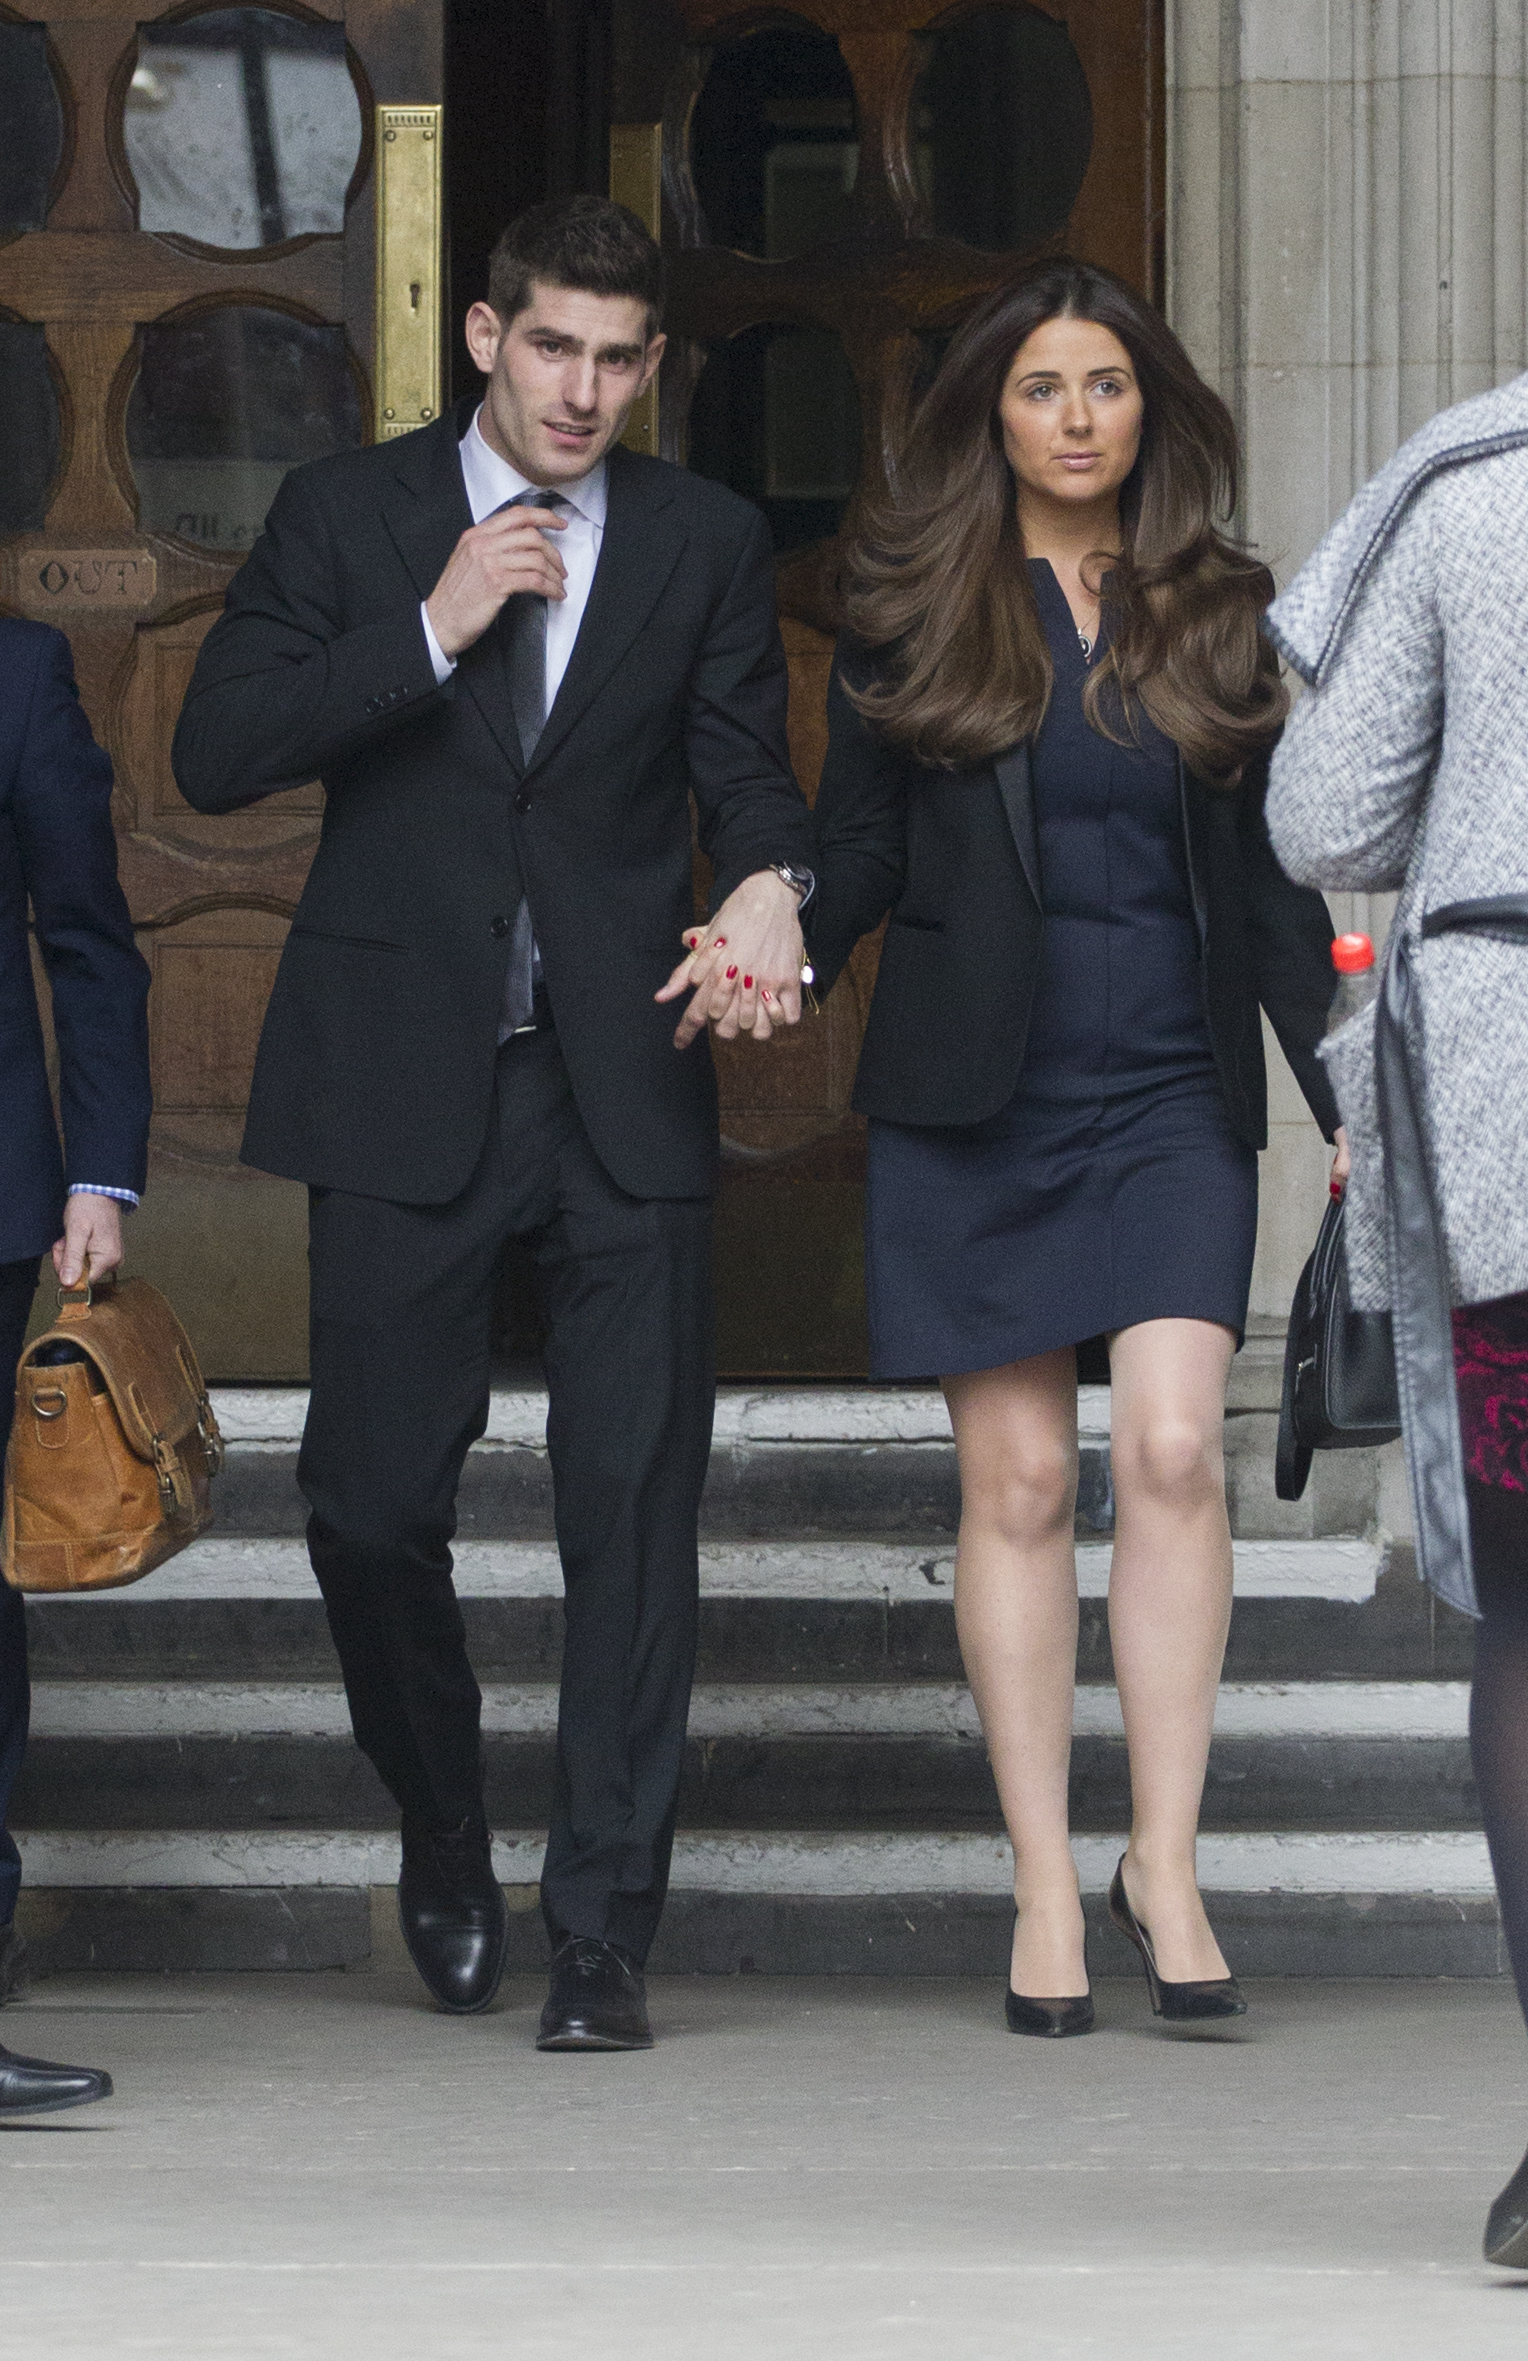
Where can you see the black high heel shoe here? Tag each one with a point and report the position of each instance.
(1051, 2020)
(1506, 2239)
(1220, 1996)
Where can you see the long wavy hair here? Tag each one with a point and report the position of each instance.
(936, 581)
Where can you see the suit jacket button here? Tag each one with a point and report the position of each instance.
(373, 704)
(522, 801)
(498, 926)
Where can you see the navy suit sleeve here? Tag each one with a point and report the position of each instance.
(61, 812)
(1292, 944)
(750, 813)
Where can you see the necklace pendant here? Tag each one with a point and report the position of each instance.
(1086, 646)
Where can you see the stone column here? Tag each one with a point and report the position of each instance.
(1347, 253)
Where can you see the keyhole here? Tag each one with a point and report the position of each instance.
(414, 295)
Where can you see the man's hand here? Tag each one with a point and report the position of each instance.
(744, 969)
(493, 560)
(93, 1227)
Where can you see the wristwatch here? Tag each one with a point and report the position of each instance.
(801, 881)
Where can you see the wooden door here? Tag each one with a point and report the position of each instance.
(842, 185)
(186, 310)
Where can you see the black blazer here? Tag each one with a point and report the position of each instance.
(57, 847)
(953, 855)
(376, 1063)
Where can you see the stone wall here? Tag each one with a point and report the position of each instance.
(1347, 253)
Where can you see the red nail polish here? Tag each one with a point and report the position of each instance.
(731, 972)
(767, 994)
(747, 982)
(1336, 1188)
(720, 943)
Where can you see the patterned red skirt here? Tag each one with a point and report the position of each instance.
(1491, 1368)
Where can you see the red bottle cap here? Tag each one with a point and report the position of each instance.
(1352, 954)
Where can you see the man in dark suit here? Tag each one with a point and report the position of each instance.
(514, 651)
(57, 850)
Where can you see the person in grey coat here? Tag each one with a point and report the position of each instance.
(1405, 768)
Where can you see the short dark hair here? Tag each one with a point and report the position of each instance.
(585, 242)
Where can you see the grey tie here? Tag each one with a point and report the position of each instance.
(524, 625)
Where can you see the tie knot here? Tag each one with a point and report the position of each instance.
(535, 499)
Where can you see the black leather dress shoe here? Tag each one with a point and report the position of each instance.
(30, 2086)
(1506, 2240)
(597, 2000)
(454, 1916)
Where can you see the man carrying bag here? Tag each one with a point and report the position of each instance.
(57, 850)
(513, 651)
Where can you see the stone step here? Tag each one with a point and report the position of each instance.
(818, 1463)
(1317, 1755)
(1359, 1903)
(771, 1611)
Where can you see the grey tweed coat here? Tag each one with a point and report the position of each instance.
(1406, 767)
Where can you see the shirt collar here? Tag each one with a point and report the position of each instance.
(490, 481)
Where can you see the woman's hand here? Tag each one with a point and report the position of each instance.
(1342, 1162)
(743, 971)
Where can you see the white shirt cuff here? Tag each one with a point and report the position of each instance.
(443, 664)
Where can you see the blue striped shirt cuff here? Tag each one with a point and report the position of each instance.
(91, 1189)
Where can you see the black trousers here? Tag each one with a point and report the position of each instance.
(18, 1285)
(400, 1327)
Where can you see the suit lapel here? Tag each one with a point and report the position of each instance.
(1017, 791)
(642, 543)
(426, 516)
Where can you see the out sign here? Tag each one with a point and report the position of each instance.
(53, 579)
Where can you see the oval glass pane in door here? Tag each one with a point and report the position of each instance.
(1003, 128)
(776, 415)
(226, 401)
(242, 128)
(773, 142)
(31, 129)
(29, 407)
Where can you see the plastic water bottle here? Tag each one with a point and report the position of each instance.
(1357, 978)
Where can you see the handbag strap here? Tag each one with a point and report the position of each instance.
(1422, 1313)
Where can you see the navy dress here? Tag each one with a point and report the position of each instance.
(1111, 1189)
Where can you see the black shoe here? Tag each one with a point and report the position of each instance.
(1506, 2239)
(30, 2086)
(453, 1913)
(1051, 2020)
(15, 1968)
(597, 2000)
(1219, 1996)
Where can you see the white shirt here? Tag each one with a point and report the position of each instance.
(490, 481)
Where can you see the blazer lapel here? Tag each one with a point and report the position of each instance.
(643, 541)
(1017, 791)
(426, 517)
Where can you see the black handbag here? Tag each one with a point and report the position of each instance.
(1339, 1368)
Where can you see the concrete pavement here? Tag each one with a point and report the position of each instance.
(317, 2166)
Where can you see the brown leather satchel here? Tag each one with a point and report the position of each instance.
(111, 1453)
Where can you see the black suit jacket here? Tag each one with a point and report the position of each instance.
(375, 1068)
(954, 857)
(57, 848)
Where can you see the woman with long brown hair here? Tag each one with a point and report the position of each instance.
(1050, 723)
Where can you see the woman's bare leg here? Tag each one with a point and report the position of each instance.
(1016, 1613)
(1169, 1612)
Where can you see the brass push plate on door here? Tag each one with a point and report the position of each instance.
(408, 372)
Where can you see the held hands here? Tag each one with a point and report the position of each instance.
(93, 1230)
(1342, 1162)
(744, 969)
(493, 560)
